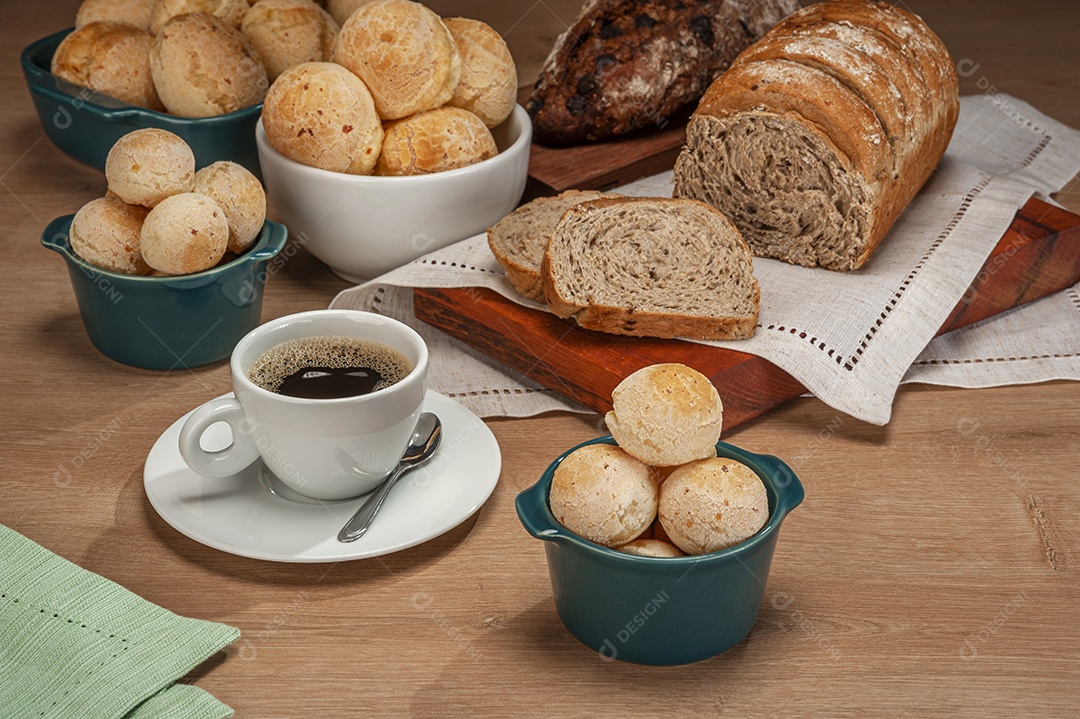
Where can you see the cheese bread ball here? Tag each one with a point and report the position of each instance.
(130, 12)
(185, 233)
(146, 166)
(320, 114)
(712, 504)
(651, 548)
(666, 414)
(230, 11)
(433, 141)
(240, 195)
(603, 494)
(204, 67)
(109, 58)
(488, 85)
(105, 233)
(404, 54)
(289, 32)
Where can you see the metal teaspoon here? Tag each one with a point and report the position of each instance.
(422, 445)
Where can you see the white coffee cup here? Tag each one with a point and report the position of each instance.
(322, 448)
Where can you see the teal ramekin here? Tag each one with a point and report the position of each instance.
(85, 125)
(660, 611)
(166, 323)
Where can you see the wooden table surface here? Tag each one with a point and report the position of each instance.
(933, 570)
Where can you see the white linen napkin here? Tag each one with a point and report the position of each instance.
(849, 338)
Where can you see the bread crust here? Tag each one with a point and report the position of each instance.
(404, 53)
(289, 32)
(488, 84)
(788, 88)
(924, 49)
(322, 115)
(203, 66)
(184, 233)
(131, 12)
(666, 415)
(105, 233)
(111, 58)
(852, 69)
(870, 78)
(524, 274)
(445, 138)
(148, 165)
(230, 11)
(240, 196)
(628, 320)
(628, 64)
(926, 74)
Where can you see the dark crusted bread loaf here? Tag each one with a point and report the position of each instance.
(628, 64)
(651, 267)
(822, 132)
(518, 240)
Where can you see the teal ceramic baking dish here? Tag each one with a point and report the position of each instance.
(85, 125)
(660, 611)
(165, 323)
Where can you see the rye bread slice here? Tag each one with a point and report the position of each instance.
(651, 267)
(518, 240)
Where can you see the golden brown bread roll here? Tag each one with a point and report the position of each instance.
(320, 114)
(240, 195)
(666, 415)
(110, 58)
(711, 504)
(145, 166)
(185, 233)
(603, 494)
(204, 67)
(488, 85)
(105, 233)
(129, 12)
(433, 141)
(651, 548)
(289, 32)
(230, 11)
(404, 54)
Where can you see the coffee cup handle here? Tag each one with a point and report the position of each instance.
(222, 463)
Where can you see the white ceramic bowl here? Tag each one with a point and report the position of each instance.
(363, 226)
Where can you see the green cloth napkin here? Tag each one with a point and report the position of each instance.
(74, 644)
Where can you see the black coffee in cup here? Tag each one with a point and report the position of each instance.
(329, 367)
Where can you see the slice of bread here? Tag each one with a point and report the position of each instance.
(652, 267)
(518, 240)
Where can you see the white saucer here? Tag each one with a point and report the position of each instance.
(252, 514)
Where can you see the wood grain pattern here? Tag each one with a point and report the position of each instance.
(1037, 255)
(931, 572)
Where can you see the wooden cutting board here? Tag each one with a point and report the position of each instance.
(604, 165)
(1038, 255)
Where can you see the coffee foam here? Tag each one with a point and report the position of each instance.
(280, 361)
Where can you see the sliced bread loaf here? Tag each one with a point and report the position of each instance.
(651, 267)
(822, 132)
(518, 240)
